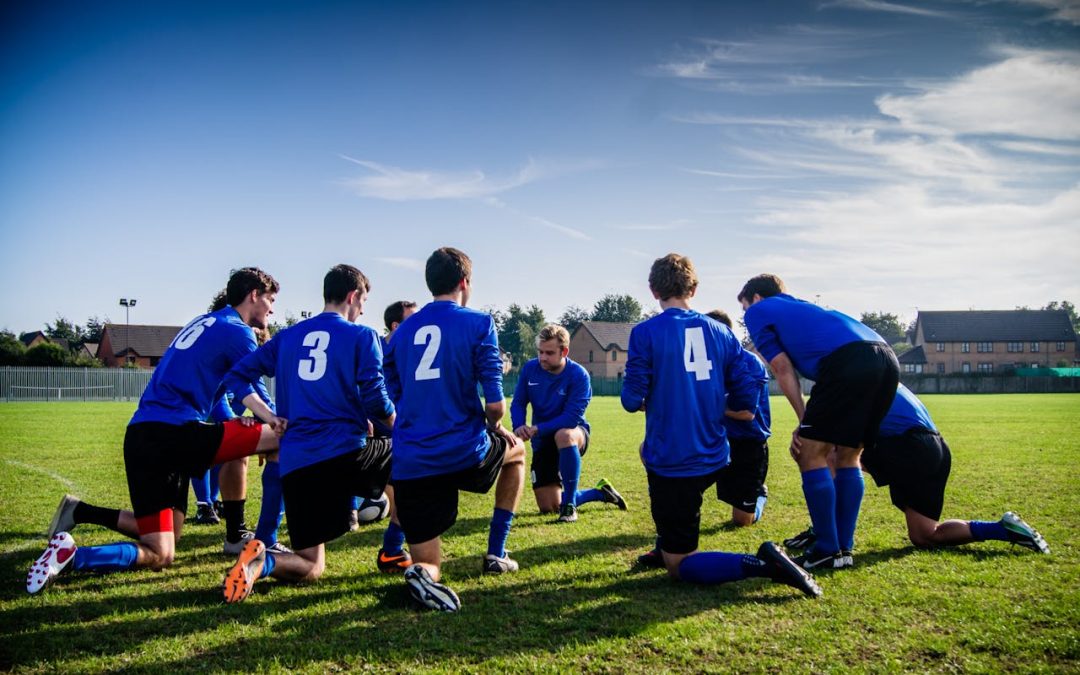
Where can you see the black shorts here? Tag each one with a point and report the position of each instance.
(160, 459)
(916, 468)
(743, 481)
(854, 389)
(676, 509)
(428, 506)
(319, 497)
(545, 459)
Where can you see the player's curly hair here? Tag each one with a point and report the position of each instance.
(765, 285)
(245, 280)
(342, 280)
(553, 331)
(445, 269)
(673, 276)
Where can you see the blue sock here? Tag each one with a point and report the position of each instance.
(849, 494)
(759, 506)
(982, 530)
(107, 558)
(586, 496)
(356, 503)
(201, 486)
(393, 540)
(712, 567)
(268, 566)
(820, 493)
(499, 532)
(570, 470)
(273, 504)
(215, 485)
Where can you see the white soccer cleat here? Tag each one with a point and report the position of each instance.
(57, 556)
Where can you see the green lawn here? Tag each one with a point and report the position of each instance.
(578, 603)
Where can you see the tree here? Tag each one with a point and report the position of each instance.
(12, 351)
(1068, 307)
(62, 329)
(95, 327)
(48, 354)
(617, 308)
(884, 324)
(517, 329)
(573, 317)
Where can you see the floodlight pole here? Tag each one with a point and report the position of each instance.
(127, 304)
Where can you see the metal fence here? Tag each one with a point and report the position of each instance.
(18, 383)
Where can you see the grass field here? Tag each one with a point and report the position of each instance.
(578, 604)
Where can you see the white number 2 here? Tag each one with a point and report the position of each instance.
(695, 356)
(314, 366)
(191, 333)
(431, 336)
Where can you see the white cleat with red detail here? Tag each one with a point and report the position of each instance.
(57, 556)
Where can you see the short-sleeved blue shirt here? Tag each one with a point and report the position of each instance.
(906, 412)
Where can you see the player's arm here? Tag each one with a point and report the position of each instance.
(788, 380)
(248, 370)
(519, 406)
(488, 367)
(390, 371)
(638, 374)
(740, 382)
(370, 380)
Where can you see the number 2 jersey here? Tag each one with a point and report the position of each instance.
(683, 366)
(188, 381)
(434, 362)
(328, 381)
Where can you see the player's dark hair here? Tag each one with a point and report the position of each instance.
(245, 280)
(395, 313)
(673, 276)
(218, 303)
(765, 285)
(445, 269)
(342, 280)
(721, 316)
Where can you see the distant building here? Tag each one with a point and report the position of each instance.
(137, 345)
(991, 341)
(88, 350)
(37, 337)
(601, 347)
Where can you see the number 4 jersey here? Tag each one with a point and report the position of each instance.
(328, 380)
(433, 365)
(682, 366)
(187, 382)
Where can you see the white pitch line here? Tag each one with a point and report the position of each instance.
(70, 485)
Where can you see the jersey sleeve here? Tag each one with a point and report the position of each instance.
(241, 379)
(740, 382)
(638, 373)
(578, 394)
(369, 377)
(488, 365)
(518, 412)
(764, 336)
(222, 410)
(390, 371)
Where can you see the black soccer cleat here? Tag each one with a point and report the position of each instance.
(611, 495)
(813, 560)
(652, 559)
(784, 570)
(804, 539)
(428, 593)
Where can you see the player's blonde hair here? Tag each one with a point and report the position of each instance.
(553, 331)
(673, 276)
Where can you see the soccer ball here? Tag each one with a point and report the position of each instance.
(373, 509)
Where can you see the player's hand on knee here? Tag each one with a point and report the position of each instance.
(278, 424)
(796, 444)
(523, 432)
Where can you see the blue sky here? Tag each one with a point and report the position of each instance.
(879, 156)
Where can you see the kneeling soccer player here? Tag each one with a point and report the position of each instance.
(912, 458)
(329, 379)
(684, 370)
(167, 441)
(559, 391)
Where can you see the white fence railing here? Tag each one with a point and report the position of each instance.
(19, 383)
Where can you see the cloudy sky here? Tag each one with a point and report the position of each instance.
(878, 155)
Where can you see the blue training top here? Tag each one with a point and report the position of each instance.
(906, 412)
(228, 406)
(434, 363)
(558, 401)
(802, 330)
(329, 379)
(757, 429)
(188, 381)
(683, 366)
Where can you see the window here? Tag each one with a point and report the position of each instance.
(1061, 346)
(909, 367)
(941, 368)
(941, 346)
(1034, 365)
(1034, 347)
(1015, 347)
(965, 347)
(965, 367)
(590, 356)
(984, 347)
(986, 367)
(614, 354)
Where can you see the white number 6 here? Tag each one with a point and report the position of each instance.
(189, 335)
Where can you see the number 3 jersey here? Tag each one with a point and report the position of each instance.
(683, 366)
(328, 380)
(188, 381)
(434, 362)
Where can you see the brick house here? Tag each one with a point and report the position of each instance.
(992, 341)
(601, 346)
(138, 345)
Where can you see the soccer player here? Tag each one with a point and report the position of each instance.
(684, 370)
(855, 374)
(329, 380)
(446, 440)
(742, 483)
(912, 458)
(559, 391)
(167, 441)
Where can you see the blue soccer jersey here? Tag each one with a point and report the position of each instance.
(686, 369)
(906, 412)
(435, 361)
(802, 330)
(328, 379)
(558, 401)
(187, 383)
(377, 425)
(757, 429)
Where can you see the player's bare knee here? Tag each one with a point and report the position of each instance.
(742, 518)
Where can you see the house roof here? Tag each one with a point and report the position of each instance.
(995, 326)
(609, 334)
(143, 340)
(91, 348)
(916, 355)
(27, 338)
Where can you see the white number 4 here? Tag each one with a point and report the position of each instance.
(432, 337)
(695, 356)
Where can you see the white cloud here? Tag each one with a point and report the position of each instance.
(881, 6)
(676, 224)
(1067, 11)
(404, 263)
(397, 184)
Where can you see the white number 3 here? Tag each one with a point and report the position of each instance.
(432, 337)
(695, 356)
(314, 367)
